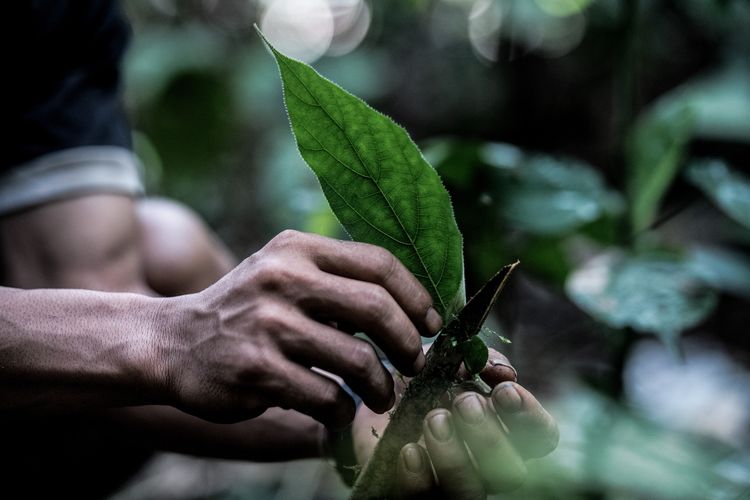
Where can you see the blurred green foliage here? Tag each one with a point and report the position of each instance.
(728, 189)
(604, 143)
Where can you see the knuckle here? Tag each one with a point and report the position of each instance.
(254, 365)
(288, 239)
(425, 299)
(276, 275)
(251, 259)
(336, 403)
(269, 319)
(287, 235)
(266, 272)
(376, 301)
(422, 298)
(364, 361)
(386, 263)
(330, 396)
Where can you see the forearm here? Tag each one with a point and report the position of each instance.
(277, 435)
(69, 350)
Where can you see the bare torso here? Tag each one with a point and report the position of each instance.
(99, 242)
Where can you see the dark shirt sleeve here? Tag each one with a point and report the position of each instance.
(63, 71)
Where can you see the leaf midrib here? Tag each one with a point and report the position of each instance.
(382, 193)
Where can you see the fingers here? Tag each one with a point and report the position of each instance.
(500, 466)
(533, 431)
(414, 479)
(364, 262)
(301, 389)
(455, 473)
(369, 308)
(353, 359)
(498, 369)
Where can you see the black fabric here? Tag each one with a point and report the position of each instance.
(61, 77)
(61, 89)
(80, 457)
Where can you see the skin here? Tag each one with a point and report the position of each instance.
(501, 431)
(202, 356)
(106, 243)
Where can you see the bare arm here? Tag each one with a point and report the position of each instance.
(230, 352)
(69, 350)
(75, 350)
(226, 353)
(93, 242)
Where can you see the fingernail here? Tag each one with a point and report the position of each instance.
(433, 320)
(507, 398)
(500, 362)
(412, 458)
(440, 426)
(470, 409)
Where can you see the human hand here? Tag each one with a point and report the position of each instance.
(501, 431)
(248, 342)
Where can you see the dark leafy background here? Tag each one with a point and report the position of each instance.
(604, 143)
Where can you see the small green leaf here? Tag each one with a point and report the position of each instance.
(728, 189)
(489, 333)
(376, 181)
(475, 354)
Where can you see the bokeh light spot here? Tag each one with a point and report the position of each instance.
(302, 29)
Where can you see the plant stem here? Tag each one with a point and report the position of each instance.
(422, 395)
(426, 389)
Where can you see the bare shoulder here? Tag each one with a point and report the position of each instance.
(181, 253)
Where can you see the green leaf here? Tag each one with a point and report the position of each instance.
(475, 354)
(654, 154)
(713, 106)
(545, 195)
(719, 101)
(376, 181)
(728, 189)
(649, 293)
(722, 269)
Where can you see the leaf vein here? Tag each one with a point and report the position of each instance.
(364, 219)
(412, 241)
(326, 150)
